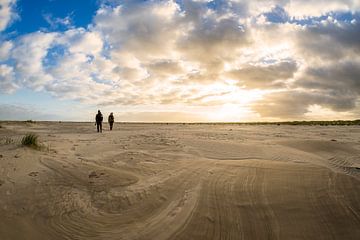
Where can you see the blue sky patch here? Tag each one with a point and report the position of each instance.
(36, 14)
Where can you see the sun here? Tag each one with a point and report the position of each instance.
(237, 107)
(228, 113)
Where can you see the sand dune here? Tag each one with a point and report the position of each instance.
(158, 181)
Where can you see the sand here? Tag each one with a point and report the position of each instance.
(175, 181)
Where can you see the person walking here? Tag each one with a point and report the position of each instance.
(111, 120)
(99, 120)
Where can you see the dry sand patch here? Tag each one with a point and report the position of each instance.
(152, 181)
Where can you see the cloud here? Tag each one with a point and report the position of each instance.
(17, 112)
(301, 9)
(329, 39)
(342, 77)
(268, 76)
(7, 84)
(196, 53)
(86, 43)
(138, 47)
(7, 13)
(294, 104)
(304, 8)
(28, 54)
(5, 48)
(164, 67)
(56, 22)
(145, 30)
(326, 52)
(214, 39)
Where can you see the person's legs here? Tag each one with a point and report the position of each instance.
(98, 127)
(111, 125)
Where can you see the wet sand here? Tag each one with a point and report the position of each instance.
(175, 181)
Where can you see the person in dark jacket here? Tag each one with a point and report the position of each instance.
(111, 120)
(99, 119)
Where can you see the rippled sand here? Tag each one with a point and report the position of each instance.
(152, 181)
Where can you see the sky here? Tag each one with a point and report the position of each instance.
(180, 60)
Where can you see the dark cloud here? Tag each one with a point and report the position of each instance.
(341, 77)
(164, 67)
(335, 86)
(206, 77)
(330, 76)
(129, 73)
(269, 76)
(294, 104)
(212, 40)
(329, 39)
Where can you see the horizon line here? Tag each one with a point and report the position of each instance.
(338, 121)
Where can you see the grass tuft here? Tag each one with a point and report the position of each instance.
(30, 121)
(9, 140)
(30, 140)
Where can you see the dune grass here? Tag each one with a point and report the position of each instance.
(8, 140)
(31, 140)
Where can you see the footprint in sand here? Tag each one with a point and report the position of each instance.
(33, 174)
(93, 174)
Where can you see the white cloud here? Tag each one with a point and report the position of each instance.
(7, 84)
(5, 48)
(7, 13)
(306, 8)
(301, 8)
(56, 22)
(29, 53)
(87, 43)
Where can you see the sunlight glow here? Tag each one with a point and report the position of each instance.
(322, 113)
(230, 113)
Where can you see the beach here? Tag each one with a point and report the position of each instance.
(179, 181)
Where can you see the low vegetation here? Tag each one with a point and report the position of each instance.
(31, 140)
(324, 123)
(302, 123)
(307, 123)
(8, 140)
(30, 121)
